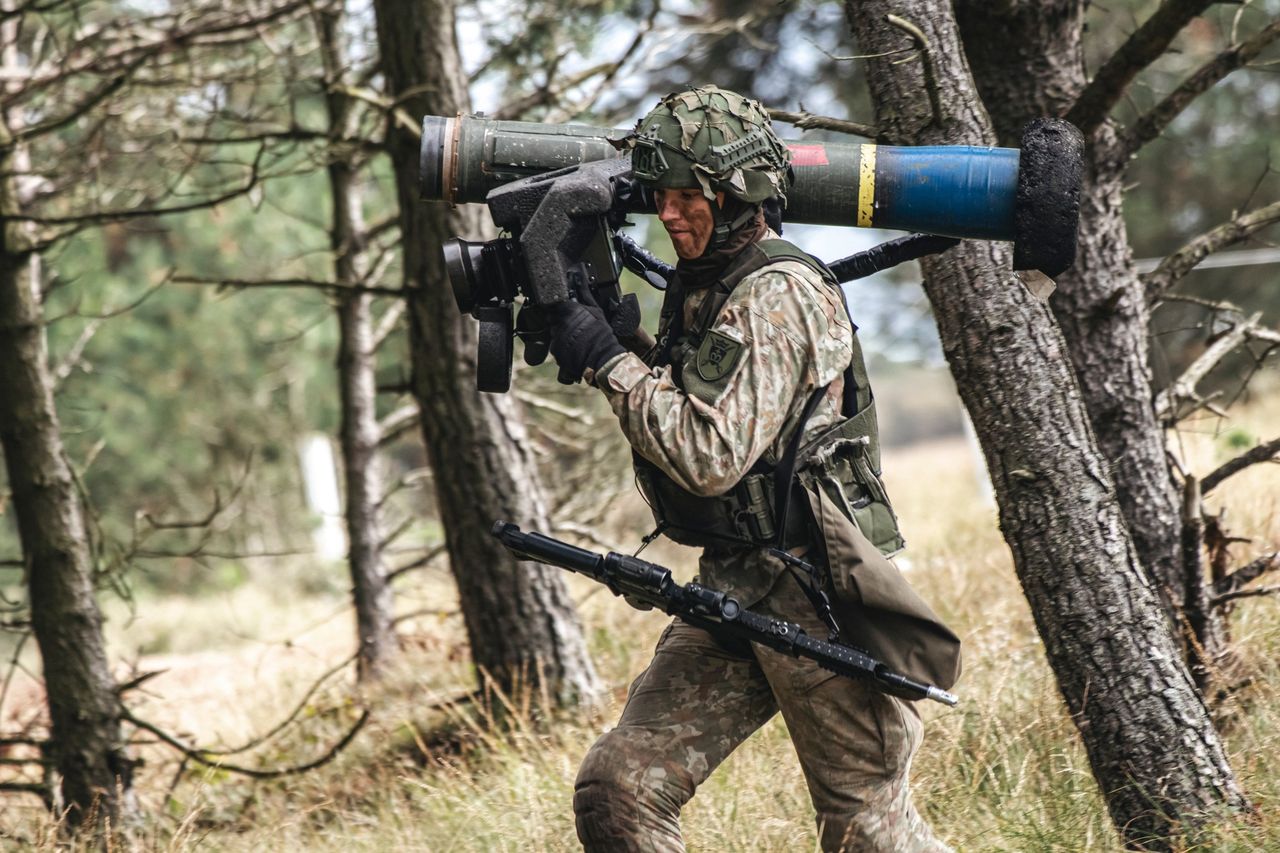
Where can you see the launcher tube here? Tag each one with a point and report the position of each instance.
(957, 191)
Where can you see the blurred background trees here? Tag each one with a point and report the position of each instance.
(204, 225)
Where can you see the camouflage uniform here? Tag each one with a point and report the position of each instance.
(726, 391)
(698, 700)
(796, 337)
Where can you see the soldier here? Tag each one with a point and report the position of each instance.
(754, 432)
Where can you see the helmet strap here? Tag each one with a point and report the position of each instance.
(725, 223)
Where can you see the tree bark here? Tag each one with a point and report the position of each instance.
(87, 748)
(520, 620)
(360, 433)
(364, 485)
(1152, 746)
(84, 711)
(1028, 62)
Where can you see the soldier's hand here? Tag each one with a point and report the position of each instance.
(581, 338)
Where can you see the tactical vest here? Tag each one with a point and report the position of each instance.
(763, 508)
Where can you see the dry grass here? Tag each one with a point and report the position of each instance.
(1003, 772)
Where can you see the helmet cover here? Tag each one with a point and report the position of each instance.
(711, 138)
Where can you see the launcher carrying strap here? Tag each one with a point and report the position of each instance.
(858, 265)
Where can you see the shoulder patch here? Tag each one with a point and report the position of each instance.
(717, 356)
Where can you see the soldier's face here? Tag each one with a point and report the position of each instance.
(686, 214)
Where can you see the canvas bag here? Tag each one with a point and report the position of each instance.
(875, 607)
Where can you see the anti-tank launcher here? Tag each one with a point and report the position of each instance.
(562, 191)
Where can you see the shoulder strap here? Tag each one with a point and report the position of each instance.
(778, 249)
(754, 257)
(671, 321)
(785, 470)
(854, 375)
(747, 261)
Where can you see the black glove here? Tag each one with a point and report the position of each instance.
(625, 317)
(580, 338)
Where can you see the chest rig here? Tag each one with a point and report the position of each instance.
(844, 460)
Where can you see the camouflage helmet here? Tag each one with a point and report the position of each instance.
(711, 138)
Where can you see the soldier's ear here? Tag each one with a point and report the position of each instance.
(720, 200)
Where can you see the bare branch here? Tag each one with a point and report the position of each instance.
(408, 480)
(1246, 593)
(1153, 123)
(1197, 614)
(606, 79)
(122, 52)
(12, 669)
(290, 134)
(425, 560)
(930, 75)
(388, 322)
(551, 94)
(1218, 306)
(1183, 389)
(807, 121)
(539, 402)
(75, 354)
(397, 423)
(200, 755)
(1185, 259)
(38, 788)
(299, 707)
(1267, 452)
(313, 284)
(93, 99)
(33, 7)
(437, 612)
(146, 210)
(386, 104)
(1147, 44)
(1247, 574)
(585, 533)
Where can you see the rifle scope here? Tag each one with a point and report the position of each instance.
(1030, 195)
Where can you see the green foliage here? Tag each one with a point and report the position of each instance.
(1238, 439)
(197, 393)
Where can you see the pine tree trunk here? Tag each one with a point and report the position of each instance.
(1152, 746)
(520, 620)
(360, 433)
(1028, 62)
(84, 711)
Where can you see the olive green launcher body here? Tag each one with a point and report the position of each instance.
(1028, 195)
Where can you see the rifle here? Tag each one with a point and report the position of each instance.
(646, 584)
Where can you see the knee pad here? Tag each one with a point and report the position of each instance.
(604, 793)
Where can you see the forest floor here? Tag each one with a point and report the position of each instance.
(1004, 771)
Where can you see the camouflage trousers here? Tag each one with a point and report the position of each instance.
(699, 699)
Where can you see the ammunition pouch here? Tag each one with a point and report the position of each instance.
(843, 463)
(741, 517)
